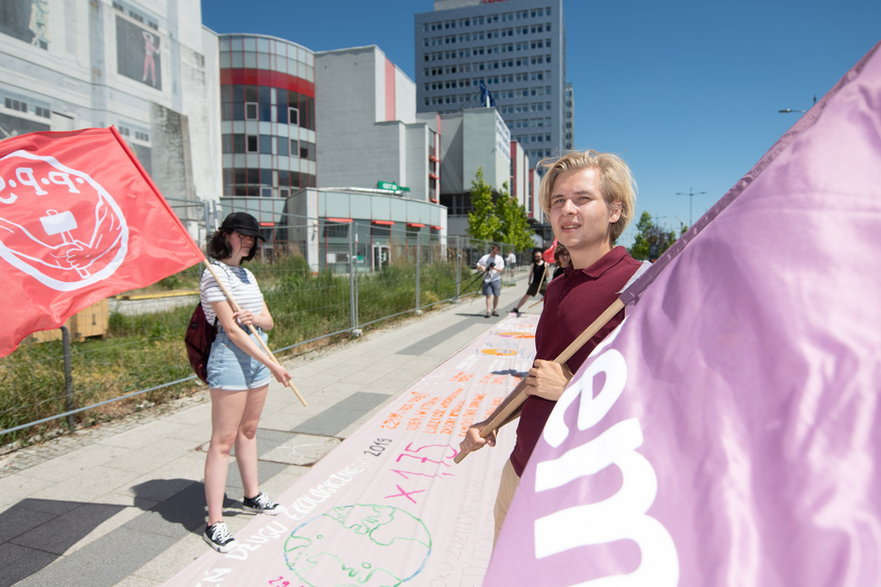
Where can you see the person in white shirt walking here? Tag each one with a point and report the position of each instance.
(492, 266)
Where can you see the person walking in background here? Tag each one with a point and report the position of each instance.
(561, 259)
(589, 198)
(511, 263)
(538, 272)
(239, 371)
(492, 266)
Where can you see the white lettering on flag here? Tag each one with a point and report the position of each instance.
(621, 516)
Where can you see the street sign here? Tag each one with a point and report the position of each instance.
(391, 186)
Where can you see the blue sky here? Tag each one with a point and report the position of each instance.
(686, 91)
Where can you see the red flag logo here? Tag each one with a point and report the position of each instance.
(80, 220)
(60, 226)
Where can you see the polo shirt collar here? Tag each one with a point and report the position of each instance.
(602, 265)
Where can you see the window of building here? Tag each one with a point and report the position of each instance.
(251, 144)
(250, 110)
(336, 230)
(307, 150)
(266, 144)
(16, 105)
(294, 116)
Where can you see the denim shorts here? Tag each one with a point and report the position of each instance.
(232, 369)
(492, 287)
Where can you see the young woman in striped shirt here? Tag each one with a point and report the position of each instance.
(239, 372)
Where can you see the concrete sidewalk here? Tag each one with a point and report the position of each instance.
(124, 504)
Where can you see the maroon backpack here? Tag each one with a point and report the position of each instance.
(198, 339)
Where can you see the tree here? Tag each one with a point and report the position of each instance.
(651, 240)
(497, 217)
(515, 229)
(483, 224)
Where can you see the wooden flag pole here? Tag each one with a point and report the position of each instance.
(235, 308)
(512, 403)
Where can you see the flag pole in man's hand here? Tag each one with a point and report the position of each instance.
(508, 409)
(235, 308)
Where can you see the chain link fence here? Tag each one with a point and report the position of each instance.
(322, 279)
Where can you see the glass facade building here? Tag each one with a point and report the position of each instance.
(267, 98)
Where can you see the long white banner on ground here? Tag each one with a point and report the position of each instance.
(389, 506)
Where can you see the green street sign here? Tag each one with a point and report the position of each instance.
(391, 186)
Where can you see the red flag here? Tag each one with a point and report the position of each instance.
(80, 220)
(548, 254)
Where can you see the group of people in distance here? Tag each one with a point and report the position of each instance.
(492, 267)
(589, 198)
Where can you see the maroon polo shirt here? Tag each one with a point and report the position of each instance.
(572, 302)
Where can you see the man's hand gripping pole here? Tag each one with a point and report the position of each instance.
(515, 399)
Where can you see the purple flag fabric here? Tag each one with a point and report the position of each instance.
(729, 432)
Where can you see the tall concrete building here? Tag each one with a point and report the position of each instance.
(478, 139)
(508, 53)
(369, 131)
(147, 68)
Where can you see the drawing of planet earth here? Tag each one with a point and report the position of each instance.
(369, 545)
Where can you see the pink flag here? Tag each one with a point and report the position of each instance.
(728, 433)
(80, 220)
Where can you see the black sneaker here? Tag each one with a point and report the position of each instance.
(517, 311)
(261, 504)
(495, 313)
(219, 538)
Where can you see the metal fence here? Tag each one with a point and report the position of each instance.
(355, 275)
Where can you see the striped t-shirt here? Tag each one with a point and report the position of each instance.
(238, 281)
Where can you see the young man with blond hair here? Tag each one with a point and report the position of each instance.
(590, 198)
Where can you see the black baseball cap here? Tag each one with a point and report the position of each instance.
(242, 223)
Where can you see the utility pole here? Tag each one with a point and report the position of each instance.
(691, 194)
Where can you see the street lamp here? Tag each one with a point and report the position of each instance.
(691, 194)
(789, 110)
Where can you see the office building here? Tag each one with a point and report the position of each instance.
(478, 139)
(311, 158)
(370, 133)
(515, 49)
